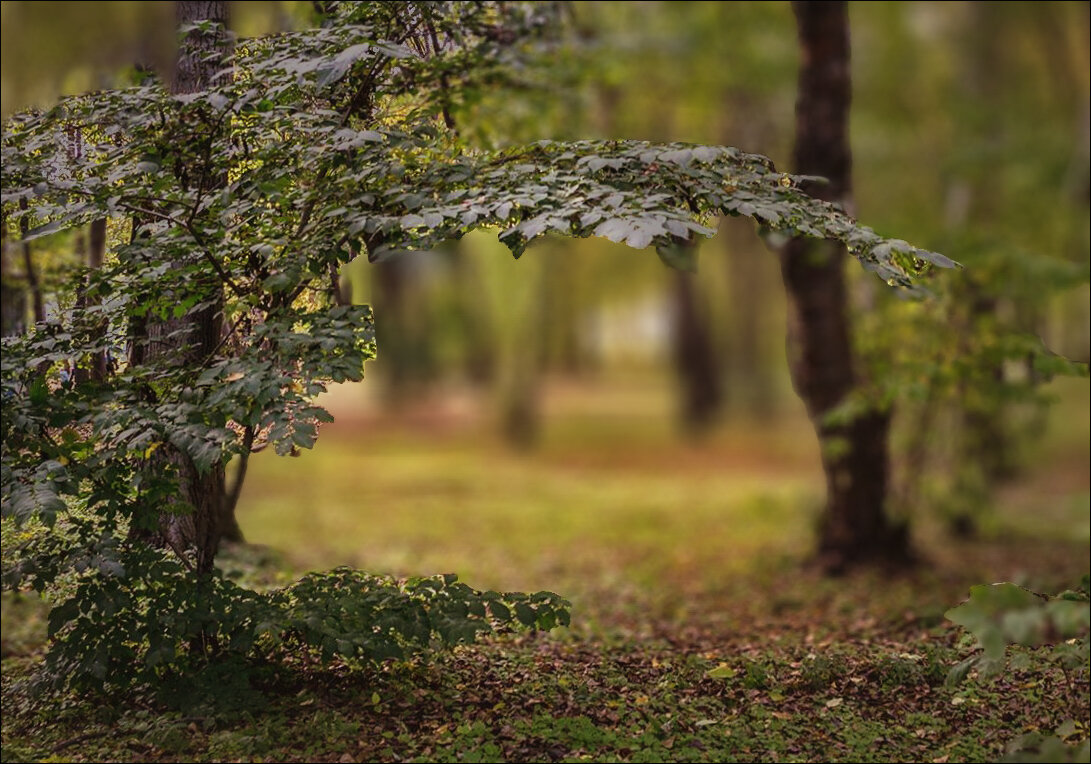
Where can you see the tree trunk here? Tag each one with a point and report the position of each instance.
(480, 354)
(91, 248)
(13, 300)
(96, 254)
(855, 528)
(695, 359)
(192, 339)
(750, 374)
(402, 329)
(34, 283)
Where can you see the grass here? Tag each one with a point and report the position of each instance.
(698, 634)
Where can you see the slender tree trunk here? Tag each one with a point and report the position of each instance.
(986, 441)
(96, 254)
(13, 301)
(480, 355)
(34, 283)
(855, 528)
(192, 339)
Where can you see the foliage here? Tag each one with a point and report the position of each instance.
(352, 615)
(1003, 615)
(969, 364)
(1000, 615)
(1006, 188)
(244, 201)
(137, 628)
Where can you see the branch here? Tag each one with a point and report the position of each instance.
(232, 498)
(224, 277)
(448, 120)
(227, 335)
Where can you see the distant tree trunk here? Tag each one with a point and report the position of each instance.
(986, 441)
(698, 368)
(192, 339)
(749, 377)
(695, 359)
(388, 299)
(855, 528)
(401, 331)
(13, 301)
(34, 283)
(480, 347)
(91, 248)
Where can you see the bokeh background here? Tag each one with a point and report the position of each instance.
(534, 424)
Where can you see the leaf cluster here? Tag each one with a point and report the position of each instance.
(144, 621)
(1003, 615)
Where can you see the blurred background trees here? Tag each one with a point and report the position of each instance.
(969, 132)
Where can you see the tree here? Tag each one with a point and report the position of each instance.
(855, 527)
(244, 198)
(191, 337)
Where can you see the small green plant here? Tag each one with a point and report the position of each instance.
(1004, 614)
(757, 675)
(900, 670)
(1055, 629)
(819, 671)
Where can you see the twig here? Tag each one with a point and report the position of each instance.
(80, 739)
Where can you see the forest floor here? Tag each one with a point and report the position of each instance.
(699, 631)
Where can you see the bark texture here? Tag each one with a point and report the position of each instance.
(855, 528)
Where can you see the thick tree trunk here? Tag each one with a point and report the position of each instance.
(192, 339)
(695, 360)
(855, 528)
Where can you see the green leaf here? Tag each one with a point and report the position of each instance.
(500, 611)
(961, 670)
(681, 256)
(723, 671)
(525, 613)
